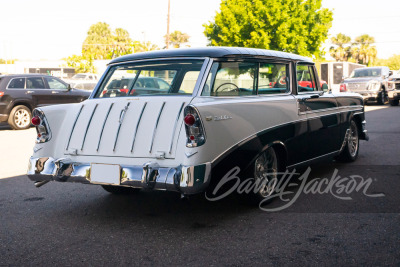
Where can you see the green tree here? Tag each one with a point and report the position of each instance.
(80, 64)
(177, 38)
(341, 49)
(122, 43)
(393, 62)
(362, 51)
(287, 25)
(99, 42)
(144, 46)
(7, 61)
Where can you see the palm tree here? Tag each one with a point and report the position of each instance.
(144, 46)
(341, 49)
(363, 51)
(177, 38)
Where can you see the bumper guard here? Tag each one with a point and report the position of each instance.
(184, 179)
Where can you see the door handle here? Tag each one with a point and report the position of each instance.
(310, 97)
(29, 92)
(54, 92)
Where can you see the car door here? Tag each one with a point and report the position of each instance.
(36, 87)
(59, 92)
(321, 109)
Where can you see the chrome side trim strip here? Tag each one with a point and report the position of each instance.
(174, 129)
(104, 124)
(155, 127)
(88, 125)
(73, 126)
(121, 119)
(137, 125)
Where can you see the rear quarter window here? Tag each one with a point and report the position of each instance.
(16, 83)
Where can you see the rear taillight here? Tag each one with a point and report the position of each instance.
(1, 94)
(42, 127)
(343, 87)
(195, 135)
(36, 121)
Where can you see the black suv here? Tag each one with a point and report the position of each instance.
(21, 93)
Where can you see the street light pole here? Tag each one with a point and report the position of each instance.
(167, 39)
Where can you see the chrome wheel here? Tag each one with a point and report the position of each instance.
(353, 139)
(266, 172)
(22, 118)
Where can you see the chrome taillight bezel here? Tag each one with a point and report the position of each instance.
(196, 130)
(43, 129)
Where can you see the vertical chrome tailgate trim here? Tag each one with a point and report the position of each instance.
(121, 119)
(155, 127)
(174, 129)
(73, 126)
(104, 124)
(87, 127)
(137, 125)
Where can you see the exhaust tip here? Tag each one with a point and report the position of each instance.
(39, 184)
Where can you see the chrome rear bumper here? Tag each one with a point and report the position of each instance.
(183, 179)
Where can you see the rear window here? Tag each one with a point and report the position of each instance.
(17, 83)
(175, 77)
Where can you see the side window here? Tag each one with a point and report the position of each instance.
(34, 83)
(189, 82)
(55, 84)
(273, 78)
(232, 79)
(306, 81)
(17, 83)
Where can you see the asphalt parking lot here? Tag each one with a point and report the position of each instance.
(73, 224)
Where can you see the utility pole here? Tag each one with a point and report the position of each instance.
(167, 39)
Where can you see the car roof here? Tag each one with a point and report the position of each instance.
(213, 52)
(24, 75)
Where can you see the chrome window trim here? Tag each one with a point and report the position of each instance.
(315, 77)
(201, 74)
(257, 61)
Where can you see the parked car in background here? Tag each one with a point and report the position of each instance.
(83, 81)
(21, 93)
(370, 82)
(222, 111)
(394, 89)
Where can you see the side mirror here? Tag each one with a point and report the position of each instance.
(69, 87)
(325, 88)
(390, 73)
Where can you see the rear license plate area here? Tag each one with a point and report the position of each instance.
(105, 173)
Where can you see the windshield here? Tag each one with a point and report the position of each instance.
(367, 72)
(177, 77)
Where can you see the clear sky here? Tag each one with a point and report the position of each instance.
(50, 29)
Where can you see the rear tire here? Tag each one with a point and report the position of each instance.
(20, 118)
(265, 171)
(351, 148)
(120, 190)
(394, 102)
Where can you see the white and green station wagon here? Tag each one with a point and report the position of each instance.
(179, 120)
